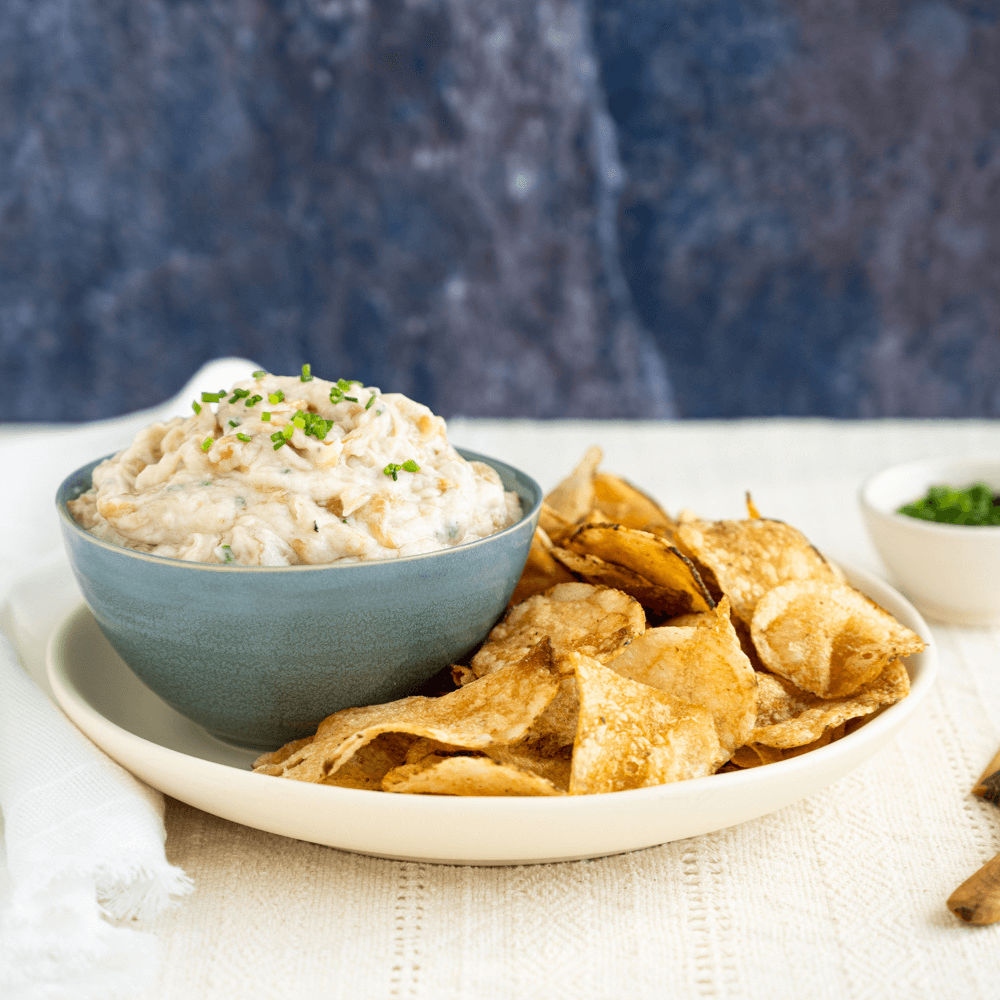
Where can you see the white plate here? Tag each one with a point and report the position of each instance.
(122, 716)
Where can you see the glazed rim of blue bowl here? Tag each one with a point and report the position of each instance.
(521, 483)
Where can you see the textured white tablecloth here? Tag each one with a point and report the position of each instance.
(840, 896)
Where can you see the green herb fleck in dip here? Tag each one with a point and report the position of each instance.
(975, 505)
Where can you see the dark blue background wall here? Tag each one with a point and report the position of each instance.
(617, 208)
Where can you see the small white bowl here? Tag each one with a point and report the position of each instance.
(951, 572)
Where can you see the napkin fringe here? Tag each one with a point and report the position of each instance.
(128, 889)
(140, 890)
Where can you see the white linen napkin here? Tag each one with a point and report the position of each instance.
(83, 839)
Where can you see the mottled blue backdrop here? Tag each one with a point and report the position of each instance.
(639, 208)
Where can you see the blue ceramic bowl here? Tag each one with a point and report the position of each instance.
(259, 655)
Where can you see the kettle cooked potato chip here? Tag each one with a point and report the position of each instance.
(746, 559)
(789, 717)
(498, 709)
(668, 580)
(631, 735)
(447, 774)
(621, 503)
(827, 637)
(703, 664)
(575, 617)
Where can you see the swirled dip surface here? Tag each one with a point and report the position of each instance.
(214, 488)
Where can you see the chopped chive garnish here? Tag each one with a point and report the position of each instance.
(287, 432)
(196, 406)
(275, 397)
(211, 397)
(408, 466)
(239, 394)
(229, 554)
(279, 443)
(243, 437)
(206, 444)
(232, 423)
(253, 400)
(266, 415)
(343, 384)
(351, 399)
(311, 423)
(259, 374)
(371, 399)
(975, 505)
(306, 375)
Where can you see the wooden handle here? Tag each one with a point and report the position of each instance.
(988, 785)
(977, 899)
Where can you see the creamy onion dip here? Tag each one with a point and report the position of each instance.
(289, 470)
